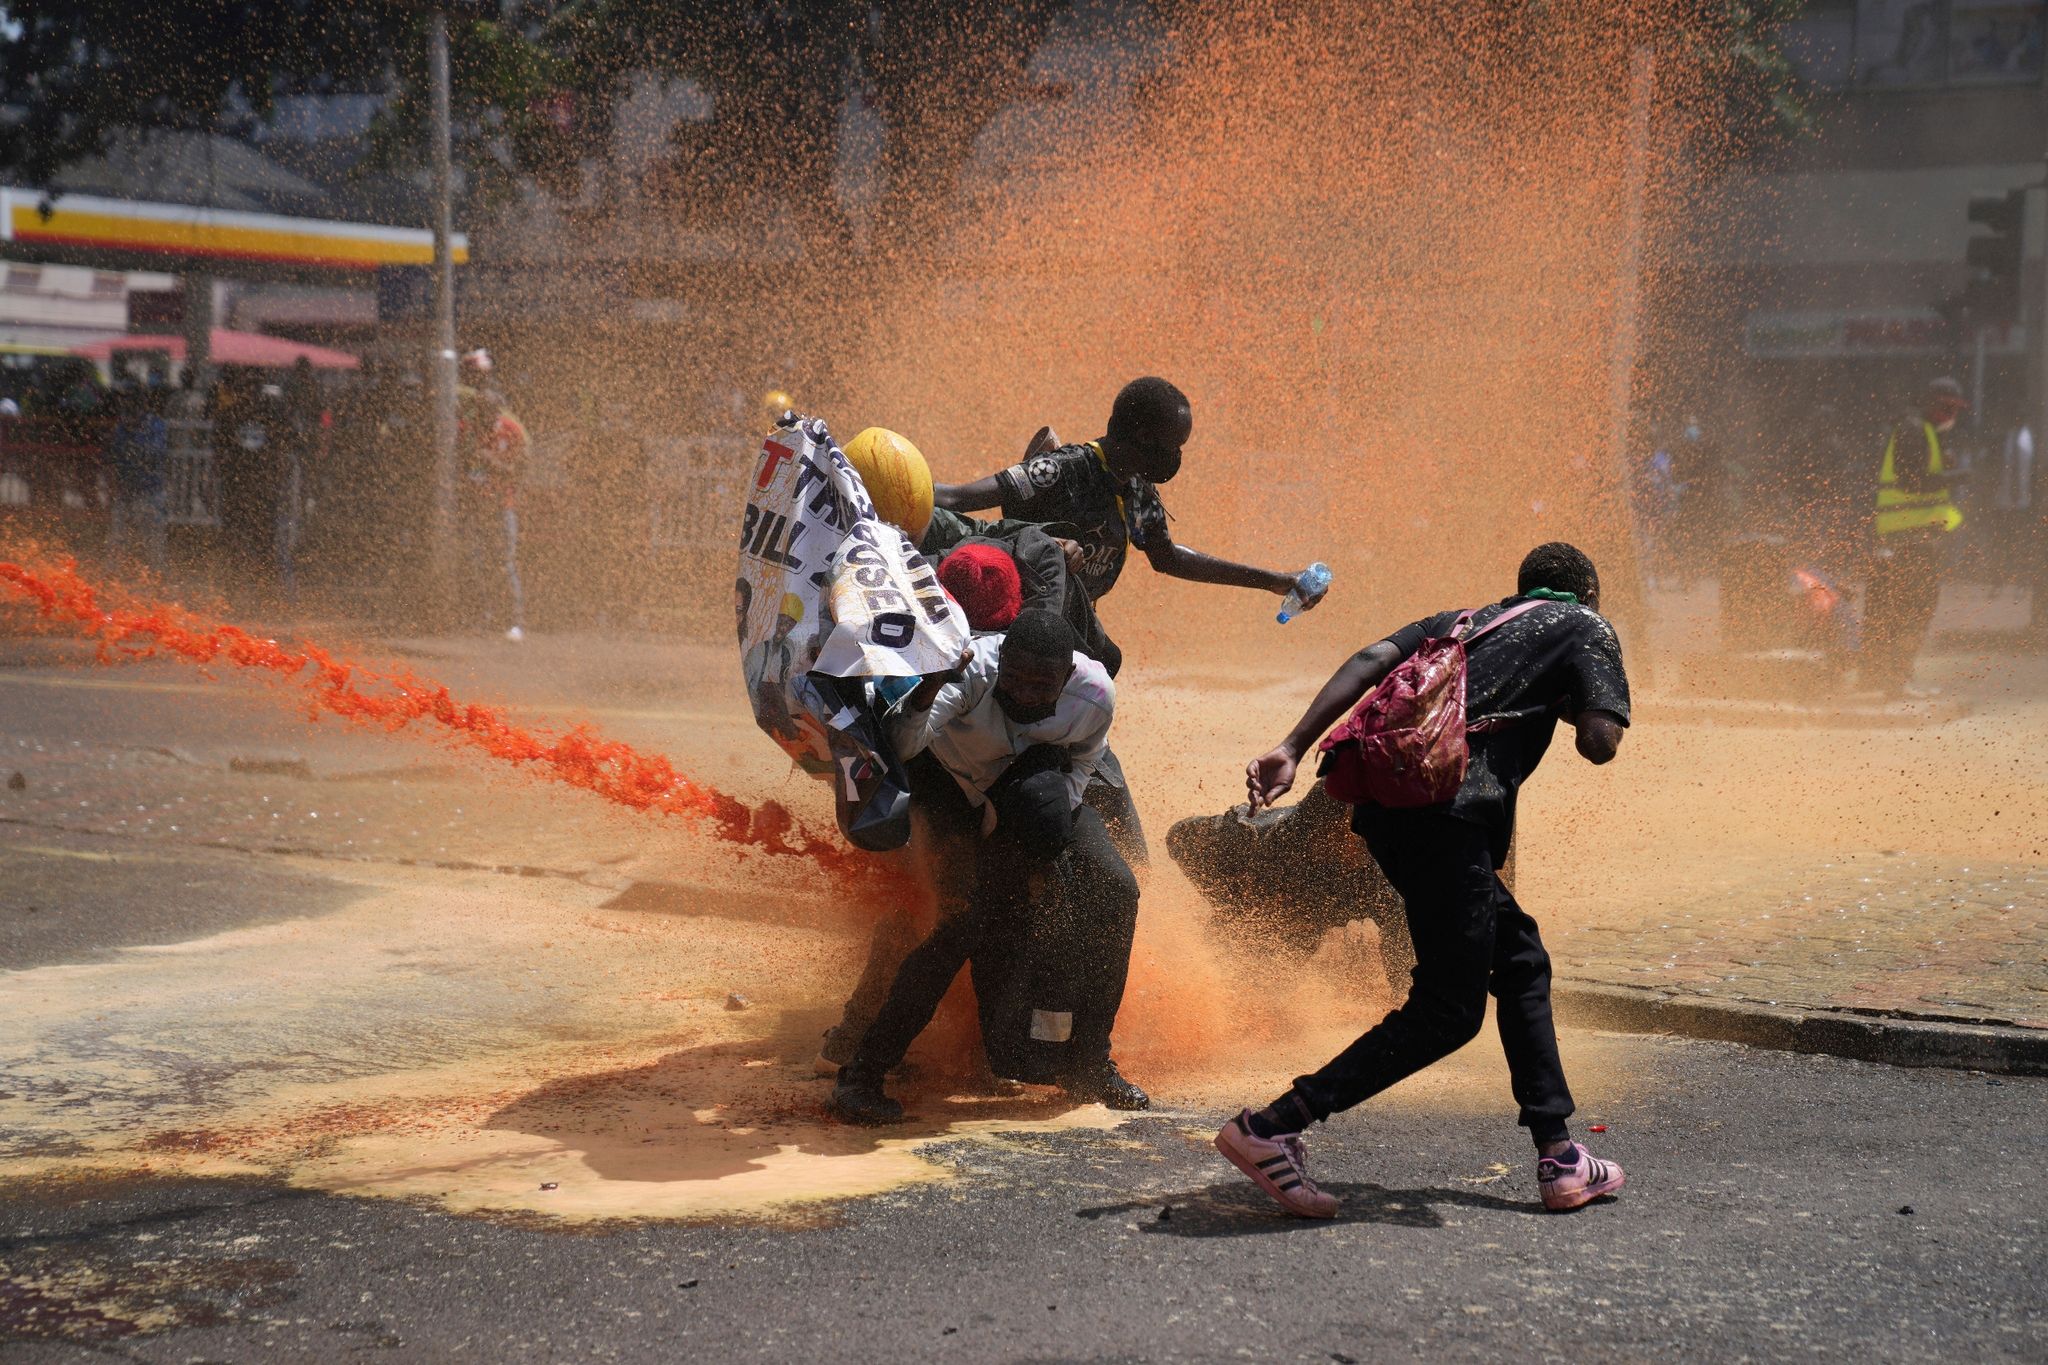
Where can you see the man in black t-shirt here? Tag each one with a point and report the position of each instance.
(1557, 659)
(1103, 495)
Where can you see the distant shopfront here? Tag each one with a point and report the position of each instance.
(1870, 362)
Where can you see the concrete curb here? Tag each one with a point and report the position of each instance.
(1962, 1045)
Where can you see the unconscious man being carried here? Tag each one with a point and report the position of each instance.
(1017, 731)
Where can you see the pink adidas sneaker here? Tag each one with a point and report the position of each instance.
(1567, 1185)
(1279, 1166)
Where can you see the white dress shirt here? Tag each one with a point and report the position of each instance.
(966, 730)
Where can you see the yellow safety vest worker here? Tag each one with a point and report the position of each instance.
(1899, 510)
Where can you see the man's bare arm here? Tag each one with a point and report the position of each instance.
(1600, 735)
(1269, 776)
(983, 494)
(1181, 561)
(978, 496)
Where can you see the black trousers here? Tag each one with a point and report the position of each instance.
(945, 850)
(1470, 938)
(1049, 928)
(1905, 584)
(1110, 794)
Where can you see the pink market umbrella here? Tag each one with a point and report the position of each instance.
(229, 348)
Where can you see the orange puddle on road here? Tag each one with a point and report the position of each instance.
(501, 1047)
(514, 1047)
(483, 1043)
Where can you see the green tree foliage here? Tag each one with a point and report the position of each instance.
(75, 72)
(538, 83)
(1756, 99)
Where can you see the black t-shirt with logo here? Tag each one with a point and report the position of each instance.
(1551, 662)
(1072, 489)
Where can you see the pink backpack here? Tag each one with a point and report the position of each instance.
(1404, 744)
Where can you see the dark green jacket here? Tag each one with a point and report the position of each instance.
(1041, 570)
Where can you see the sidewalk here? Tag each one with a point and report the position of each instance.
(1889, 957)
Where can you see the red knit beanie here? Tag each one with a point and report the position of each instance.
(983, 580)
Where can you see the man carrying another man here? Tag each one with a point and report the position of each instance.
(994, 569)
(1018, 731)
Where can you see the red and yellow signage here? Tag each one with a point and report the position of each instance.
(180, 230)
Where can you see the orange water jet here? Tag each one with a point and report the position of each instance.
(395, 699)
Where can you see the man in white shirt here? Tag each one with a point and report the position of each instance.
(1019, 728)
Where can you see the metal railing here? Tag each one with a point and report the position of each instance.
(192, 482)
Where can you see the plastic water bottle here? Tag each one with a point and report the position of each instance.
(1311, 581)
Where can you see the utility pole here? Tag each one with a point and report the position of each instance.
(198, 329)
(2037, 342)
(1625, 598)
(441, 354)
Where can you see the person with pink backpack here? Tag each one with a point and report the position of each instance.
(1447, 718)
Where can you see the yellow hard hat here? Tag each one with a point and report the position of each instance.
(896, 477)
(792, 606)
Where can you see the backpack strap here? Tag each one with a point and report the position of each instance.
(1465, 619)
(1486, 723)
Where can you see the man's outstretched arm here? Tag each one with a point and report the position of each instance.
(983, 494)
(1269, 776)
(978, 496)
(1180, 561)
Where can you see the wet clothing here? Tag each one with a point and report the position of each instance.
(967, 730)
(1050, 968)
(1041, 571)
(1554, 661)
(1470, 935)
(947, 529)
(945, 848)
(1110, 795)
(1471, 938)
(1072, 490)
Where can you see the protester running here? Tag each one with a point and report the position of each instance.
(1553, 657)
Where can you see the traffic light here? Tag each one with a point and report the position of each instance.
(1993, 293)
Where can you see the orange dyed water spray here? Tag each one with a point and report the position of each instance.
(579, 756)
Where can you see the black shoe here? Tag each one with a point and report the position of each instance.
(1105, 1083)
(857, 1097)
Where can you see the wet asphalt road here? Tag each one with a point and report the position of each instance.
(1765, 1218)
